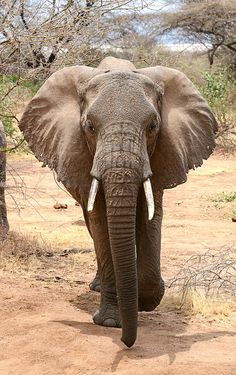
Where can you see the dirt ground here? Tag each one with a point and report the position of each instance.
(46, 306)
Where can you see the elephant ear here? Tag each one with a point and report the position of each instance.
(51, 125)
(187, 134)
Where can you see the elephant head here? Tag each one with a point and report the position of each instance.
(114, 127)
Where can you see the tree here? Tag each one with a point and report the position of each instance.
(38, 37)
(37, 34)
(209, 22)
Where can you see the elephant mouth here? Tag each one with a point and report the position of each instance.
(147, 190)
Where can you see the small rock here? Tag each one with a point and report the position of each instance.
(79, 282)
(58, 279)
(58, 206)
(85, 251)
(71, 250)
(179, 202)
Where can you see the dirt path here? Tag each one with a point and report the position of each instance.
(46, 307)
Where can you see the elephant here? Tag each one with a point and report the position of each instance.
(117, 137)
(4, 226)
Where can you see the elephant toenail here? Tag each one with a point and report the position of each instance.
(109, 322)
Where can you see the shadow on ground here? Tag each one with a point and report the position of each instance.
(160, 332)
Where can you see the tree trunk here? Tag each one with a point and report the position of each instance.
(3, 211)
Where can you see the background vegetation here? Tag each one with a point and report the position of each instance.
(195, 36)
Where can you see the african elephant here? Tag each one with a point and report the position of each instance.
(118, 136)
(4, 226)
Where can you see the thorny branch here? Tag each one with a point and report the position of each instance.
(214, 272)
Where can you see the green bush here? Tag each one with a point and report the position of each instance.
(15, 92)
(32, 86)
(225, 197)
(8, 124)
(218, 86)
(216, 90)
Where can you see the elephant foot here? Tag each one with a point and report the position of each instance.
(147, 306)
(107, 316)
(147, 302)
(95, 284)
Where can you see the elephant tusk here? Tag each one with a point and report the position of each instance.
(149, 197)
(92, 194)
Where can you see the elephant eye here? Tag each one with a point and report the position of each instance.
(152, 127)
(89, 126)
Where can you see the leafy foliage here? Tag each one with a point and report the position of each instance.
(225, 197)
(217, 89)
(209, 22)
(217, 86)
(14, 93)
(226, 203)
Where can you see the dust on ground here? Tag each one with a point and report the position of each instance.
(45, 303)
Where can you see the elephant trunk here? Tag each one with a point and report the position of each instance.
(121, 164)
(121, 191)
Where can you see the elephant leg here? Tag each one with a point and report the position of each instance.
(150, 283)
(108, 313)
(95, 283)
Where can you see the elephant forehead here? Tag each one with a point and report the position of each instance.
(121, 95)
(117, 82)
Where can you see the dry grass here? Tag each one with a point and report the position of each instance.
(196, 302)
(225, 204)
(18, 251)
(37, 259)
(205, 285)
(67, 235)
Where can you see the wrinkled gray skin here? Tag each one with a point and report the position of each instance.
(123, 165)
(3, 211)
(121, 126)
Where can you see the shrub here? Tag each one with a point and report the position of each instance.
(14, 94)
(218, 88)
(205, 284)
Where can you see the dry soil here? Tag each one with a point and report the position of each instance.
(45, 303)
